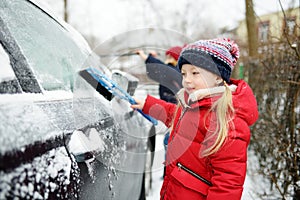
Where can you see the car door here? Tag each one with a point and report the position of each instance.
(34, 161)
(38, 109)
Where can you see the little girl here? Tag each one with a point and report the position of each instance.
(207, 148)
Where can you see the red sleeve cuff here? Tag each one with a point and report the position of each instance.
(159, 109)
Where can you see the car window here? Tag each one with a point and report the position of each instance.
(50, 51)
(8, 81)
(6, 72)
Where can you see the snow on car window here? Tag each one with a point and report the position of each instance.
(6, 72)
(50, 51)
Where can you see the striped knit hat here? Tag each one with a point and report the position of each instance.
(217, 56)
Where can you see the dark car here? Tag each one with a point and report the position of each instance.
(60, 138)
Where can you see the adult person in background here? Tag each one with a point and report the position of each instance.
(172, 54)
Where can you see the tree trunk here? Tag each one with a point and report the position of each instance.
(66, 10)
(252, 39)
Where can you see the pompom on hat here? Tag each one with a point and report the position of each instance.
(174, 52)
(218, 56)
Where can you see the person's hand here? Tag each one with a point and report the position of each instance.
(153, 53)
(142, 54)
(139, 104)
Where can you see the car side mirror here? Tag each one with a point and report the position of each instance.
(126, 81)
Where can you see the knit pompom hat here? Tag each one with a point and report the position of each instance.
(174, 52)
(218, 56)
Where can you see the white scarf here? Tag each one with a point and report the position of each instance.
(202, 93)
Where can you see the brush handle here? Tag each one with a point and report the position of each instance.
(151, 119)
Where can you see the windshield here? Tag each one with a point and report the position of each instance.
(50, 50)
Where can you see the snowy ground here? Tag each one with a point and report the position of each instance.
(157, 169)
(249, 186)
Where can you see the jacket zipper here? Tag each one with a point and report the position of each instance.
(177, 124)
(180, 166)
(181, 115)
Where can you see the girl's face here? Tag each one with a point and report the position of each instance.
(195, 78)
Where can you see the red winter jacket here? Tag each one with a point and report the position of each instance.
(218, 176)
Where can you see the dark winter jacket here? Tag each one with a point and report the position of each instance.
(164, 93)
(220, 175)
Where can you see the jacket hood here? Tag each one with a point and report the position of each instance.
(244, 102)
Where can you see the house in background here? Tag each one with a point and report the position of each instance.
(273, 28)
(277, 30)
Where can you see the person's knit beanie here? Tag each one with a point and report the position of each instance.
(174, 52)
(217, 56)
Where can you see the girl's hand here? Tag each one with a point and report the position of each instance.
(139, 104)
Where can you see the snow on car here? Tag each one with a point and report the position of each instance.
(59, 138)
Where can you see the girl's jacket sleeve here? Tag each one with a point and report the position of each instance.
(230, 162)
(229, 170)
(159, 109)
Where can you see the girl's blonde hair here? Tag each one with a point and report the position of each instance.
(224, 110)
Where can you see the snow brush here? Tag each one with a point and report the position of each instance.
(118, 55)
(108, 88)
